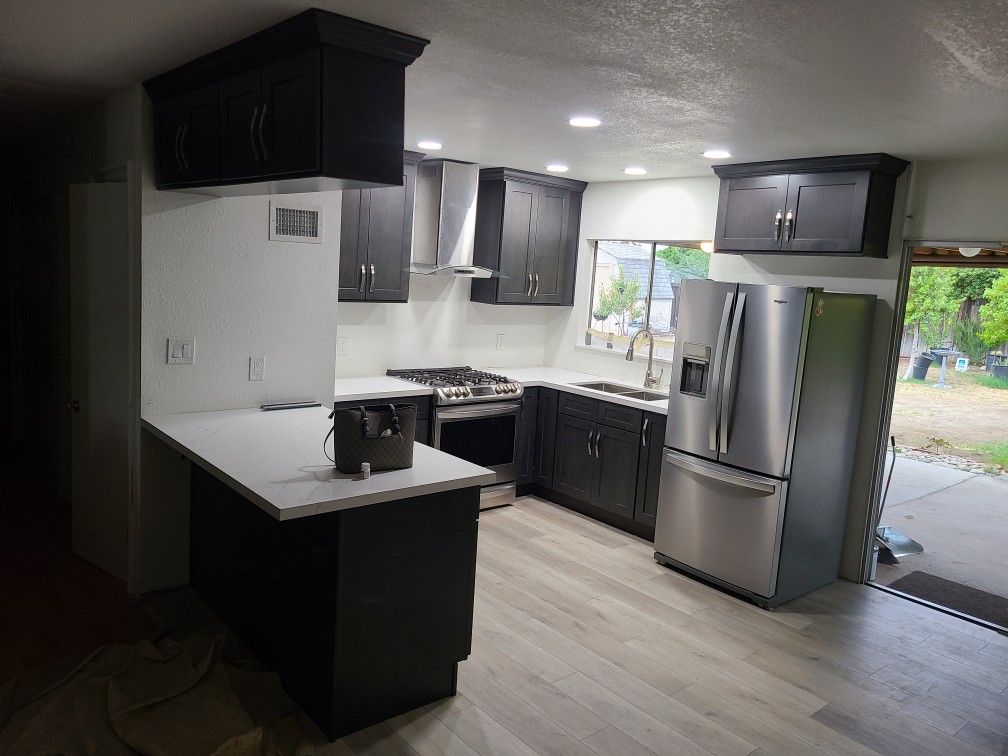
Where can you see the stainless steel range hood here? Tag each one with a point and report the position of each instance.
(444, 220)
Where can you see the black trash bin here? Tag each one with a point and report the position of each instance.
(920, 365)
(1000, 371)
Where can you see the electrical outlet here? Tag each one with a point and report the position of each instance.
(500, 341)
(180, 351)
(342, 347)
(257, 366)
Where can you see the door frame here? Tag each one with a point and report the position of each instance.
(892, 375)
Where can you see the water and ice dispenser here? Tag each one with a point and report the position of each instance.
(695, 369)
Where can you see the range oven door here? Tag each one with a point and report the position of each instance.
(484, 434)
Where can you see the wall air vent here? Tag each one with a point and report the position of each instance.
(295, 222)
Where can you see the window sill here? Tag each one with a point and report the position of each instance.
(640, 353)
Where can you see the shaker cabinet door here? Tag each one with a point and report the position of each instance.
(750, 213)
(548, 262)
(574, 467)
(386, 236)
(826, 212)
(290, 121)
(615, 486)
(240, 111)
(517, 239)
(187, 147)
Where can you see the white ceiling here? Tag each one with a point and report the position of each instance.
(922, 79)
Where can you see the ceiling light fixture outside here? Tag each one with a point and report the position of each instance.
(584, 122)
(969, 251)
(556, 168)
(707, 246)
(429, 144)
(634, 170)
(717, 154)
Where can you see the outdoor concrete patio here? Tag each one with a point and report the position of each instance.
(961, 519)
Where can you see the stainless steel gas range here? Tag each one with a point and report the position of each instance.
(476, 418)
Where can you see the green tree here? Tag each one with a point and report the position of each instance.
(931, 304)
(619, 297)
(692, 263)
(994, 312)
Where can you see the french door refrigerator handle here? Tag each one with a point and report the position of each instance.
(715, 388)
(718, 472)
(731, 372)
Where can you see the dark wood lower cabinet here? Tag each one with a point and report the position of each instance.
(597, 467)
(649, 469)
(545, 438)
(526, 434)
(364, 613)
(615, 486)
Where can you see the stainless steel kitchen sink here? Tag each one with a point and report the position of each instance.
(608, 388)
(647, 396)
(628, 391)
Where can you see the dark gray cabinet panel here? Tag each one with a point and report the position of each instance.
(834, 205)
(649, 469)
(290, 135)
(618, 416)
(186, 137)
(375, 240)
(615, 485)
(527, 228)
(545, 438)
(751, 213)
(579, 406)
(526, 433)
(574, 468)
(826, 212)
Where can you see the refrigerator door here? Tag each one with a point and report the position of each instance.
(763, 356)
(722, 522)
(701, 335)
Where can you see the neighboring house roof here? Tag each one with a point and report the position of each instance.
(667, 278)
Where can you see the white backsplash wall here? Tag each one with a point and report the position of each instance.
(439, 326)
(211, 272)
(681, 209)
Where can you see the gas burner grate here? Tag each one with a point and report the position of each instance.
(450, 376)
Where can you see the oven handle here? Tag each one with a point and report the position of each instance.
(467, 413)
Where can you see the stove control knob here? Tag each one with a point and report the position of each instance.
(466, 391)
(441, 393)
(457, 392)
(512, 388)
(497, 388)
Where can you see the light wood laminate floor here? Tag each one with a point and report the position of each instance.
(583, 644)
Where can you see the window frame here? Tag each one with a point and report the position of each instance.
(654, 243)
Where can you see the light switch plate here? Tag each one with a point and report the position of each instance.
(180, 351)
(257, 366)
(500, 341)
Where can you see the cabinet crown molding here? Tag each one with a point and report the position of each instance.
(879, 162)
(513, 174)
(311, 28)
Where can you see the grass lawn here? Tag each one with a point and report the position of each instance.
(968, 419)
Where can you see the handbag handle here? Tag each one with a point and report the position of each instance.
(365, 425)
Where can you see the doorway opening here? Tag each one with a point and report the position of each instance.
(942, 533)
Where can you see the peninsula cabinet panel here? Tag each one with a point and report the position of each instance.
(835, 205)
(527, 228)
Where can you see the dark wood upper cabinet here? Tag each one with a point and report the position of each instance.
(311, 104)
(376, 233)
(526, 228)
(186, 137)
(835, 205)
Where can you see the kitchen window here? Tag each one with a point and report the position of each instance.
(636, 283)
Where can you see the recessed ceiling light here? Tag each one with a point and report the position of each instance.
(634, 170)
(557, 168)
(717, 154)
(429, 144)
(584, 122)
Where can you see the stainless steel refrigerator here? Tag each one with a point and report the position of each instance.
(763, 418)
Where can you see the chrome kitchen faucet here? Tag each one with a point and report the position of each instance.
(650, 380)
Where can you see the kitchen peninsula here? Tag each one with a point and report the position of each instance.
(358, 592)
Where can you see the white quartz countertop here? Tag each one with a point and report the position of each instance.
(351, 389)
(275, 459)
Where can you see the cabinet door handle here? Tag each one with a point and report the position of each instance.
(178, 160)
(598, 444)
(528, 291)
(252, 123)
(643, 435)
(536, 292)
(789, 225)
(185, 160)
(371, 288)
(590, 443)
(363, 278)
(262, 142)
(778, 219)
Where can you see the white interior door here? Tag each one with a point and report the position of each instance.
(100, 373)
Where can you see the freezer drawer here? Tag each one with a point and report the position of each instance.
(720, 521)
